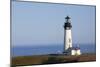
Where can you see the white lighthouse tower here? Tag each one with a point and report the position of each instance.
(68, 48)
(67, 34)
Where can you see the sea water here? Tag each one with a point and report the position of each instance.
(47, 49)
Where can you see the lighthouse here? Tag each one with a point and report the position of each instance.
(68, 48)
(67, 34)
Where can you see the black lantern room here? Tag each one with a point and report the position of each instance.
(67, 24)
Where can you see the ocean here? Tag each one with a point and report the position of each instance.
(50, 49)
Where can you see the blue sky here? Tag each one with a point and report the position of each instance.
(42, 23)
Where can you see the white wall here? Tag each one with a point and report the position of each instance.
(68, 35)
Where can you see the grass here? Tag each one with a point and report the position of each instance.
(50, 59)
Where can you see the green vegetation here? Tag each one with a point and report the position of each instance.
(51, 59)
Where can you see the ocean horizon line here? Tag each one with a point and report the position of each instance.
(48, 44)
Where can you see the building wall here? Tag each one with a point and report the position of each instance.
(73, 52)
(76, 52)
(68, 39)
